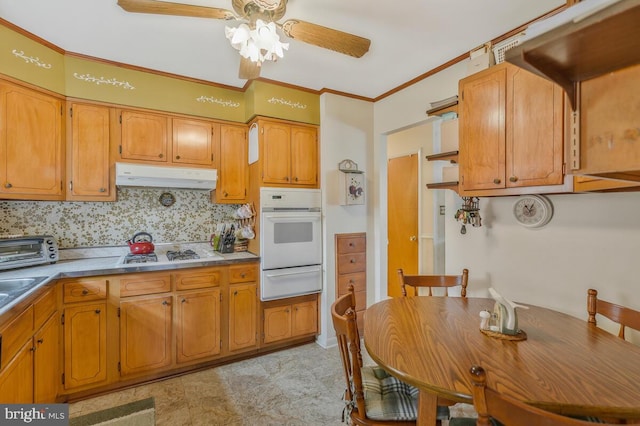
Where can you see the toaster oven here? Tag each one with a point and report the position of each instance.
(19, 252)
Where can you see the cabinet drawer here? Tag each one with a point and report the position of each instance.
(136, 285)
(357, 280)
(351, 245)
(15, 334)
(202, 279)
(84, 290)
(355, 262)
(243, 273)
(44, 307)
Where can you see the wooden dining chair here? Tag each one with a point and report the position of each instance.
(496, 409)
(434, 281)
(372, 396)
(625, 317)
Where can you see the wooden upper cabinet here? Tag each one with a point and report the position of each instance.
(482, 130)
(144, 136)
(192, 141)
(511, 132)
(276, 159)
(304, 156)
(30, 144)
(288, 154)
(233, 172)
(88, 154)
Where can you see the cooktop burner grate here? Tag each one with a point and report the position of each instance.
(140, 258)
(182, 255)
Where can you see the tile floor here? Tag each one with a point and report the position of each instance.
(298, 386)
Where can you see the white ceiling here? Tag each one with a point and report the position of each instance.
(408, 38)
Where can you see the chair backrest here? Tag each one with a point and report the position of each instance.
(432, 281)
(343, 313)
(491, 404)
(624, 316)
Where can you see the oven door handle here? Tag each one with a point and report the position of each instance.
(280, 218)
(292, 273)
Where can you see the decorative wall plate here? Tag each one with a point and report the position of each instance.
(167, 199)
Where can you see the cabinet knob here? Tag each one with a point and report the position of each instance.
(513, 179)
(286, 178)
(352, 261)
(413, 238)
(7, 185)
(177, 157)
(85, 291)
(183, 300)
(235, 293)
(33, 349)
(497, 181)
(351, 281)
(40, 341)
(103, 190)
(225, 193)
(242, 275)
(295, 179)
(165, 303)
(98, 311)
(350, 244)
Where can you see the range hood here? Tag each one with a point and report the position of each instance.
(128, 174)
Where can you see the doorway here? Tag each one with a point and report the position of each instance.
(402, 219)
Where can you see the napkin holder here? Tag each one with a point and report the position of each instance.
(504, 320)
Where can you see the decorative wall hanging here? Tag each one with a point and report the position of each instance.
(353, 186)
(167, 199)
(469, 213)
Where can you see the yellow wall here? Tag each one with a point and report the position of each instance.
(70, 75)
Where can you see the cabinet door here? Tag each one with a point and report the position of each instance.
(276, 153)
(30, 144)
(144, 136)
(145, 334)
(198, 325)
(304, 318)
(482, 130)
(192, 142)
(46, 362)
(277, 323)
(85, 339)
(16, 379)
(233, 173)
(304, 156)
(242, 316)
(89, 154)
(534, 130)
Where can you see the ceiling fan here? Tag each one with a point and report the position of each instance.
(258, 14)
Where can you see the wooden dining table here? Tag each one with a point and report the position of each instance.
(565, 365)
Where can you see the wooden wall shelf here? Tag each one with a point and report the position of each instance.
(602, 42)
(444, 109)
(444, 185)
(451, 156)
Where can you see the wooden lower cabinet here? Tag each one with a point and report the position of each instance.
(46, 371)
(30, 372)
(243, 310)
(198, 325)
(85, 342)
(145, 334)
(289, 318)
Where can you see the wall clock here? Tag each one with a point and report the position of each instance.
(533, 211)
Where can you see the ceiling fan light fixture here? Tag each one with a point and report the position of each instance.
(259, 44)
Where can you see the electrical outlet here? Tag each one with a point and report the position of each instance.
(441, 210)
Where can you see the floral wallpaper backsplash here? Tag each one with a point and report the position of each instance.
(93, 224)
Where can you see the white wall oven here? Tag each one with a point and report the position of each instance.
(290, 242)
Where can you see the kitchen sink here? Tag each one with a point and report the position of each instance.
(12, 289)
(11, 285)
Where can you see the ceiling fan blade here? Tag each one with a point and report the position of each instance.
(178, 9)
(248, 70)
(327, 38)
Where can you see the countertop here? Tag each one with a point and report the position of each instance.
(75, 263)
